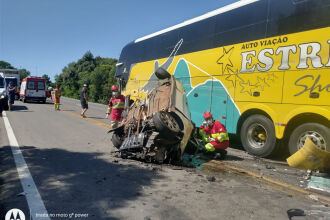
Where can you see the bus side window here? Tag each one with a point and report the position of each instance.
(243, 25)
(198, 35)
(287, 17)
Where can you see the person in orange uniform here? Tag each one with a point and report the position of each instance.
(57, 96)
(215, 135)
(116, 106)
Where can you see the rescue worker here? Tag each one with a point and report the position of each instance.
(57, 96)
(215, 135)
(108, 112)
(116, 106)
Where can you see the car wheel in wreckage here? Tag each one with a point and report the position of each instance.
(166, 124)
(116, 140)
(117, 137)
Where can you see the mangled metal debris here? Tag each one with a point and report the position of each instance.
(157, 128)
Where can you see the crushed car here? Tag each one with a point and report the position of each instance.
(158, 127)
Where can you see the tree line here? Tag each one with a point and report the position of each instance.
(97, 72)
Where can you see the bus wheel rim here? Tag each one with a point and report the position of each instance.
(253, 138)
(316, 137)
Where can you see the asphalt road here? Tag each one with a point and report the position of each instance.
(70, 162)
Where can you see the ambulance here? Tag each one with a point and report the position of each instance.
(33, 89)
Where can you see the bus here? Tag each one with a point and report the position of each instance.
(262, 67)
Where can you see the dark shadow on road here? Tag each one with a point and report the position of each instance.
(281, 153)
(20, 108)
(75, 182)
(10, 185)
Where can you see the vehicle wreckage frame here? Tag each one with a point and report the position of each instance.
(157, 128)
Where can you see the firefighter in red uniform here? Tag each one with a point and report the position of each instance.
(116, 106)
(215, 135)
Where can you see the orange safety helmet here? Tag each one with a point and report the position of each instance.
(114, 88)
(207, 114)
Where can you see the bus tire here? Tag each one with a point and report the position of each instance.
(258, 135)
(318, 133)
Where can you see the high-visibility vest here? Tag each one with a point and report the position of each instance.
(117, 102)
(217, 131)
(57, 95)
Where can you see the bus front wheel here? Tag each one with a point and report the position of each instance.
(318, 133)
(258, 135)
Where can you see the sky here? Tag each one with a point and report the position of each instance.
(43, 36)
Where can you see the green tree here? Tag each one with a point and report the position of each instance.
(47, 78)
(5, 65)
(23, 73)
(97, 72)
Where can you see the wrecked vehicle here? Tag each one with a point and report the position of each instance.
(157, 128)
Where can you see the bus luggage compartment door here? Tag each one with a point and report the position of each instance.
(219, 102)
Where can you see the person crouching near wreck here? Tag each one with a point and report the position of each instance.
(116, 106)
(215, 135)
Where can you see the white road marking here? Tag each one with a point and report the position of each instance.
(32, 195)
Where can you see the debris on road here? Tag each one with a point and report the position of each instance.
(319, 183)
(314, 197)
(211, 178)
(295, 213)
(268, 166)
(194, 161)
(308, 175)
